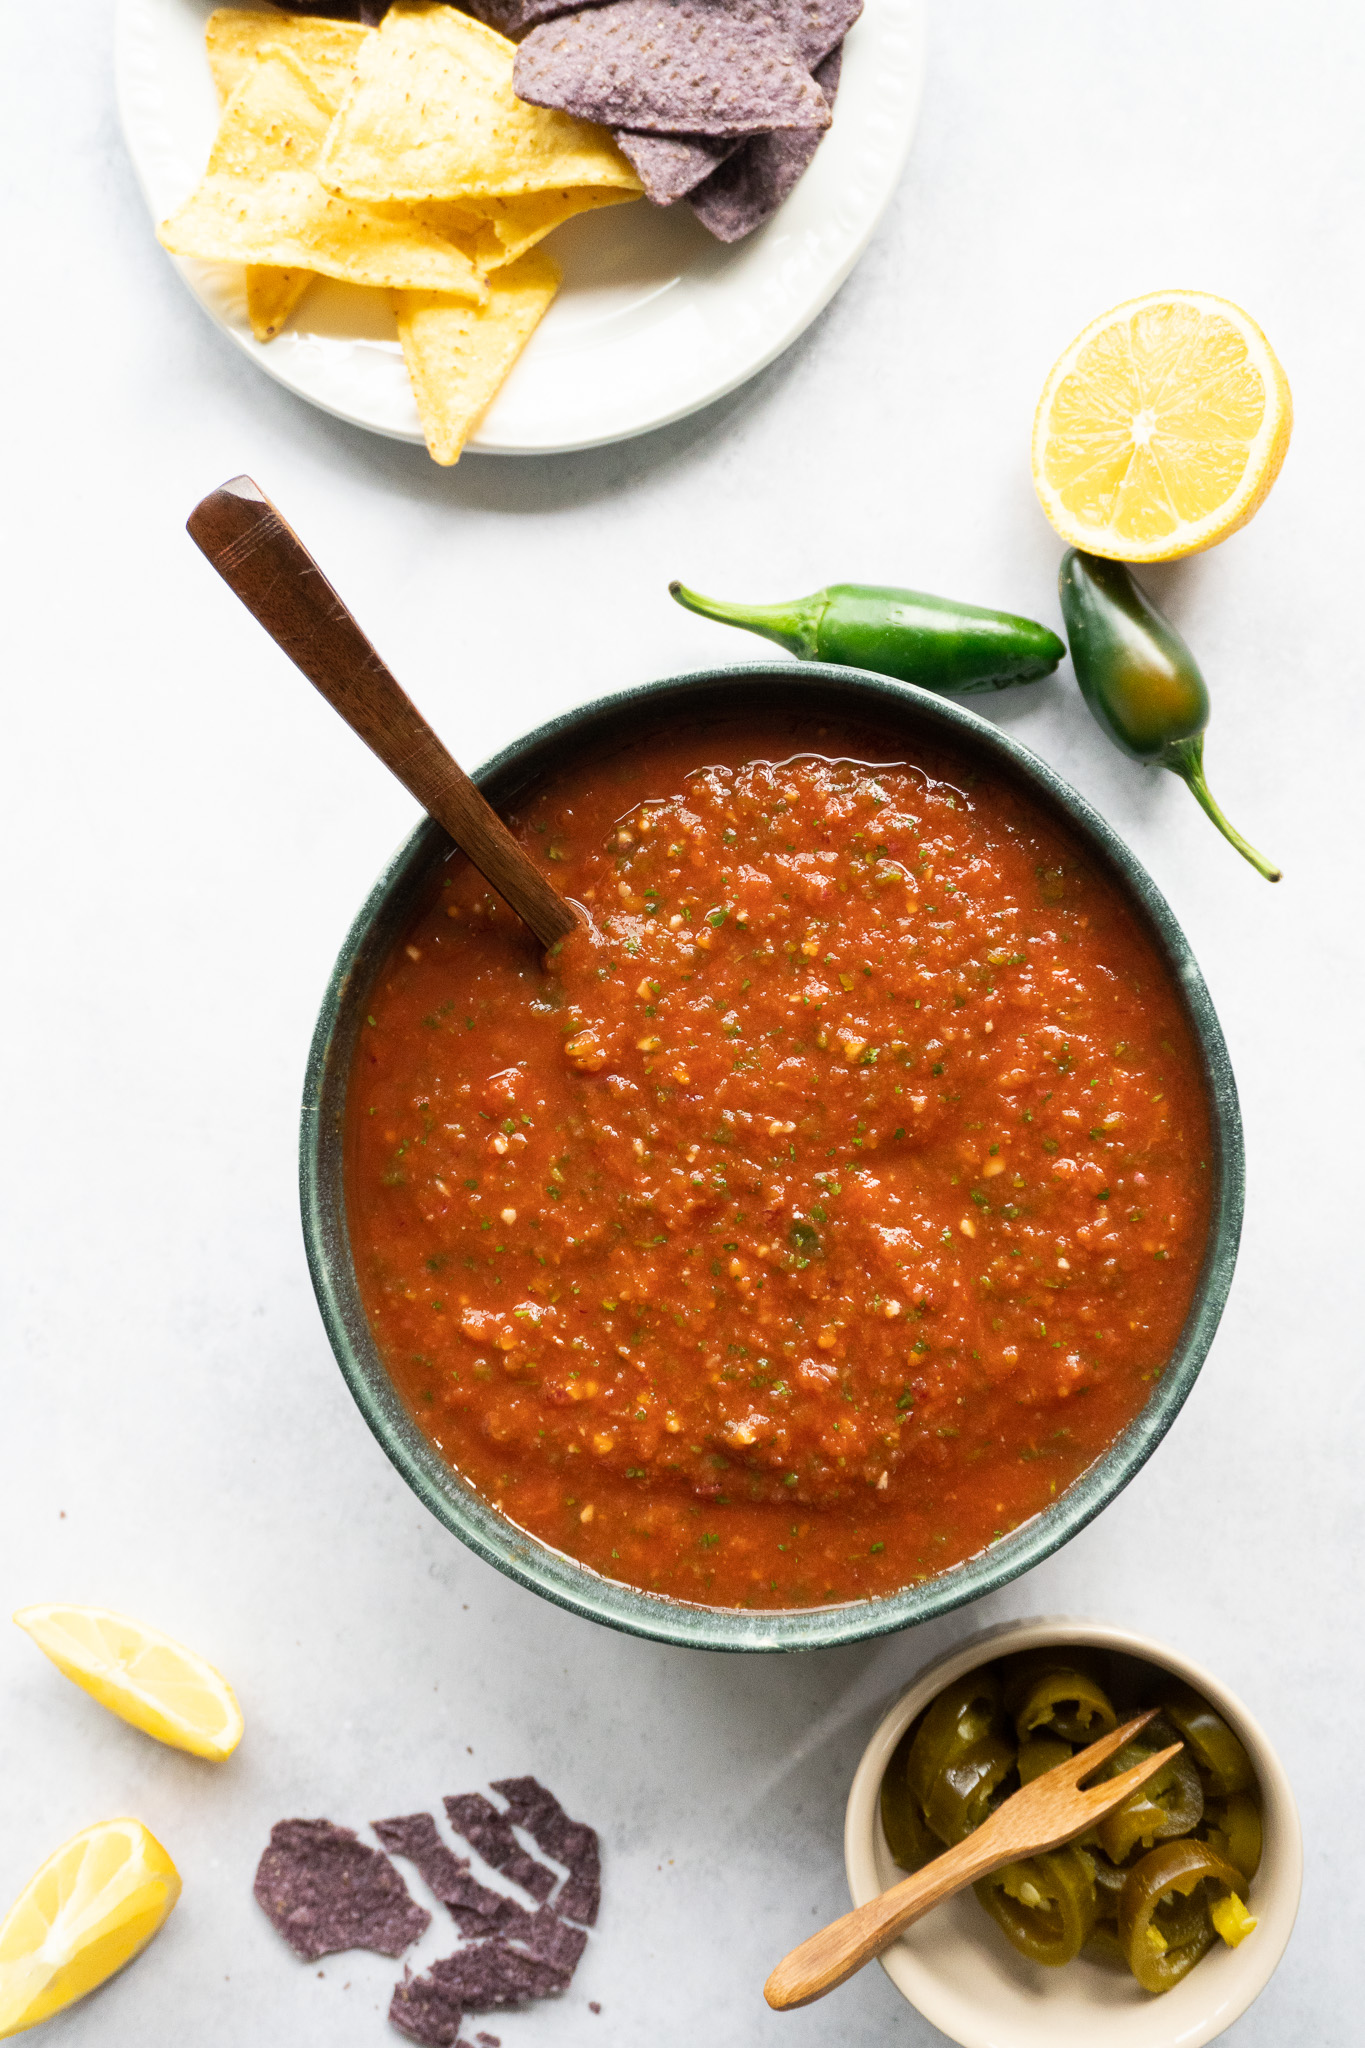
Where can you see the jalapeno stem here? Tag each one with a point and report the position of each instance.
(794, 626)
(1186, 759)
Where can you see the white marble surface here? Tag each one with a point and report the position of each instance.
(188, 831)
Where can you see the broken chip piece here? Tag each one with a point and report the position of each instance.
(476, 1908)
(323, 1889)
(490, 1832)
(746, 190)
(692, 67)
(424, 2012)
(571, 1842)
(491, 1976)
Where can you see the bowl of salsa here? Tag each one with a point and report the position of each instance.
(828, 1230)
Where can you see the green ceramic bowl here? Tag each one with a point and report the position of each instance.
(844, 696)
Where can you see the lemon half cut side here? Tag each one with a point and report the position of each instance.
(1161, 428)
(93, 1906)
(141, 1675)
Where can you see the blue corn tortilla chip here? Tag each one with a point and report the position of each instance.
(493, 1975)
(748, 188)
(817, 26)
(516, 18)
(490, 1832)
(689, 67)
(324, 1890)
(424, 2012)
(571, 1842)
(475, 1907)
(552, 1941)
(670, 166)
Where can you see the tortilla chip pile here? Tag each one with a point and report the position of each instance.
(399, 159)
(325, 1890)
(722, 103)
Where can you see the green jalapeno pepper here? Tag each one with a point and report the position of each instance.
(1169, 1804)
(960, 1796)
(1109, 1882)
(954, 649)
(1164, 1941)
(907, 1837)
(1045, 1907)
(1102, 1945)
(1233, 1828)
(1223, 1764)
(1064, 1702)
(963, 1714)
(1039, 1754)
(1140, 679)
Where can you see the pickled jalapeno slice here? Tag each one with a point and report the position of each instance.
(1058, 1697)
(1232, 1826)
(1170, 1804)
(907, 1837)
(1164, 1919)
(1045, 1907)
(964, 1713)
(1041, 1753)
(1222, 1762)
(960, 1797)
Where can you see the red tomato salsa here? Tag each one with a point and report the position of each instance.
(819, 1215)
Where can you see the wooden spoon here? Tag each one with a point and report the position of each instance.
(1041, 1816)
(258, 554)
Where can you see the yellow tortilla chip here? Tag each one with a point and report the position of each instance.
(459, 357)
(233, 38)
(271, 296)
(500, 230)
(432, 115)
(260, 201)
(327, 50)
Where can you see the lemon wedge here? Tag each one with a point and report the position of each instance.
(93, 1906)
(140, 1675)
(1161, 428)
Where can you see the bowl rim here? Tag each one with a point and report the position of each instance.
(1278, 1888)
(525, 1558)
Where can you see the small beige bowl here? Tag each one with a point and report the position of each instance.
(956, 1967)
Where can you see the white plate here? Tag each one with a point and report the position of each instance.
(655, 319)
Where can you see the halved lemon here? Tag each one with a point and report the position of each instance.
(140, 1675)
(1161, 428)
(92, 1907)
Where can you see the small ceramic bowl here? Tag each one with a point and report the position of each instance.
(956, 1967)
(857, 702)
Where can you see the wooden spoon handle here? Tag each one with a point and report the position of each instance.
(260, 557)
(837, 1951)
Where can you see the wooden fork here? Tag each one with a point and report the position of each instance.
(1051, 1811)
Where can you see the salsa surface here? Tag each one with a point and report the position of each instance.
(818, 1216)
